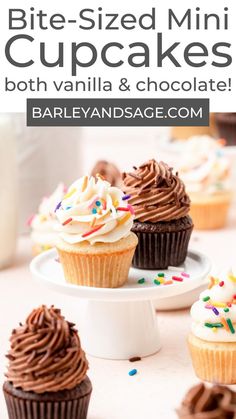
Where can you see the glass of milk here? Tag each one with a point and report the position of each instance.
(8, 192)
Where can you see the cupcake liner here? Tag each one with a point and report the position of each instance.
(213, 361)
(160, 249)
(209, 215)
(104, 270)
(67, 404)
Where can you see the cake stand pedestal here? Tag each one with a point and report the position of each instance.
(120, 323)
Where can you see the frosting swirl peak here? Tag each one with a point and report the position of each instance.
(157, 194)
(46, 354)
(201, 402)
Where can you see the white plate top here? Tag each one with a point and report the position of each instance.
(46, 268)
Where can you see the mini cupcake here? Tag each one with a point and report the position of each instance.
(46, 375)
(161, 207)
(212, 342)
(96, 245)
(109, 171)
(43, 224)
(201, 402)
(205, 170)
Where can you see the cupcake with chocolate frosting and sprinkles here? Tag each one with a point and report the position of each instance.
(161, 207)
(96, 244)
(46, 376)
(212, 341)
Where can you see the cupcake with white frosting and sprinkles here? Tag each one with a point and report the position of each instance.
(212, 342)
(43, 224)
(96, 244)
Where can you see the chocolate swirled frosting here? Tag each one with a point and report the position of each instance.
(45, 353)
(201, 402)
(157, 193)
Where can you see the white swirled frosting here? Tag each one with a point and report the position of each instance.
(44, 223)
(203, 165)
(214, 314)
(94, 211)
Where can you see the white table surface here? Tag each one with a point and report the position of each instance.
(162, 379)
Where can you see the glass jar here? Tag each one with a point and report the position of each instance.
(8, 191)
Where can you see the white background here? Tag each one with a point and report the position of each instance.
(15, 101)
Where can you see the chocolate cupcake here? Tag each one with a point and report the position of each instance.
(161, 207)
(46, 375)
(109, 171)
(201, 402)
(226, 125)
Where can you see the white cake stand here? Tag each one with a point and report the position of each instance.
(120, 323)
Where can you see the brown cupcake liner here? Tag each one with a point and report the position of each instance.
(213, 362)
(209, 216)
(160, 249)
(98, 270)
(67, 404)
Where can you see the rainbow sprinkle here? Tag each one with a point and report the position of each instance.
(218, 304)
(93, 230)
(184, 274)
(231, 327)
(211, 325)
(125, 197)
(221, 284)
(133, 372)
(124, 219)
(156, 282)
(141, 281)
(93, 222)
(122, 209)
(30, 219)
(67, 221)
(215, 311)
(232, 278)
(177, 278)
(58, 206)
(131, 209)
(212, 282)
(85, 183)
(206, 299)
(69, 194)
(225, 324)
(91, 204)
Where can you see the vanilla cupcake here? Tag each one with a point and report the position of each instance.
(212, 342)
(43, 224)
(96, 245)
(205, 171)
